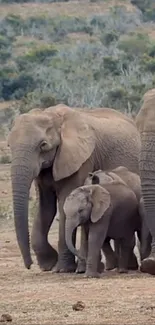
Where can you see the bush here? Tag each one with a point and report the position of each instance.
(38, 55)
(134, 45)
(5, 54)
(4, 41)
(15, 88)
(147, 7)
(15, 22)
(148, 63)
(45, 67)
(150, 15)
(111, 65)
(109, 37)
(6, 159)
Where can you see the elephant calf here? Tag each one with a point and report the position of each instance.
(132, 180)
(109, 211)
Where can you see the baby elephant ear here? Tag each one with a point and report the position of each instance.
(101, 202)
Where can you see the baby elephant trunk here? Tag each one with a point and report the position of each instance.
(69, 230)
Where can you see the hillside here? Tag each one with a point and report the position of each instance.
(86, 53)
(83, 53)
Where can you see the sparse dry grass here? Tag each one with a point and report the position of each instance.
(72, 8)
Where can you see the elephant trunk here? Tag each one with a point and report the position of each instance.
(22, 177)
(147, 174)
(69, 230)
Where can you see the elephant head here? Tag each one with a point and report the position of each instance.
(145, 122)
(87, 203)
(103, 177)
(58, 137)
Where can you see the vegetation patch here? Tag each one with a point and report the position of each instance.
(106, 59)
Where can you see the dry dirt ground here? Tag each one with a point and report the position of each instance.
(35, 297)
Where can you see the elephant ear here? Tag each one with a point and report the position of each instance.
(101, 202)
(145, 117)
(77, 145)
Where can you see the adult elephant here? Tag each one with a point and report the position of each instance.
(145, 121)
(57, 148)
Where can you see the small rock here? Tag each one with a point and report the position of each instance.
(6, 318)
(5, 192)
(78, 306)
(66, 315)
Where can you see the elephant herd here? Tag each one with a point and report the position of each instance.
(100, 166)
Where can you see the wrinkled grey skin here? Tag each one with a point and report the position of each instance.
(110, 211)
(133, 181)
(145, 121)
(57, 148)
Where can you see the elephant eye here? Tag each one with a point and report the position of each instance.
(44, 145)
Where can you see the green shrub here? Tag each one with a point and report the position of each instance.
(111, 65)
(5, 54)
(6, 159)
(148, 63)
(147, 7)
(149, 15)
(134, 45)
(109, 37)
(40, 54)
(17, 87)
(4, 41)
(143, 5)
(15, 22)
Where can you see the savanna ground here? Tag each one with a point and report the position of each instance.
(35, 297)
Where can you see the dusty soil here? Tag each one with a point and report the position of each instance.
(35, 297)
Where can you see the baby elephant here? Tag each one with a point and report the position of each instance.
(109, 211)
(132, 180)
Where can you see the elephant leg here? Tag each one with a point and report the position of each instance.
(133, 263)
(95, 242)
(81, 267)
(147, 175)
(148, 263)
(66, 260)
(124, 255)
(46, 255)
(145, 247)
(111, 258)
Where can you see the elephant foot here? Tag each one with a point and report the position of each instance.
(148, 265)
(122, 270)
(91, 274)
(47, 261)
(81, 267)
(133, 264)
(110, 265)
(63, 267)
